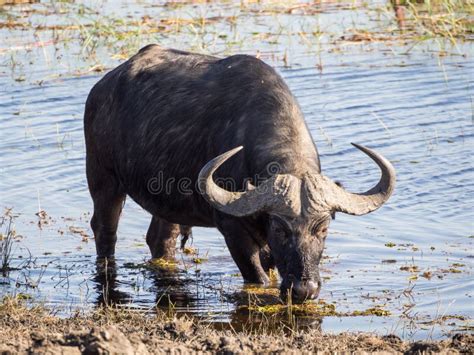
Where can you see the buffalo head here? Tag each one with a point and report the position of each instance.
(299, 210)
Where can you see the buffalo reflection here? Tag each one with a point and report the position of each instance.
(107, 284)
(171, 289)
(197, 296)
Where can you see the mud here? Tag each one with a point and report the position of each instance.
(112, 331)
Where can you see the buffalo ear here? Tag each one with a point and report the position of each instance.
(333, 215)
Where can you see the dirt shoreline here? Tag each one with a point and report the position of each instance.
(118, 331)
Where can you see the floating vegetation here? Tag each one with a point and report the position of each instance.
(451, 270)
(198, 260)
(375, 311)
(390, 245)
(317, 309)
(24, 296)
(80, 231)
(466, 328)
(43, 218)
(162, 263)
(410, 268)
(427, 275)
(153, 264)
(262, 290)
(189, 251)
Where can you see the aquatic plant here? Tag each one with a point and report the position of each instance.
(450, 19)
(6, 241)
(161, 263)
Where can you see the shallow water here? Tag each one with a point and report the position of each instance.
(401, 98)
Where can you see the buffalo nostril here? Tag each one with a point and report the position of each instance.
(305, 290)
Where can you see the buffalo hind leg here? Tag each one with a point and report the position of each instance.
(108, 201)
(161, 238)
(244, 249)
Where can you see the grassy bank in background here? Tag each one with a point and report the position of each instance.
(94, 36)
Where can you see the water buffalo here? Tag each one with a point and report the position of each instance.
(203, 141)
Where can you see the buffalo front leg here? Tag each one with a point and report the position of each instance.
(161, 238)
(245, 250)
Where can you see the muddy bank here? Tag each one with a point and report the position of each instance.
(37, 330)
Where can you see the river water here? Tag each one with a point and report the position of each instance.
(411, 100)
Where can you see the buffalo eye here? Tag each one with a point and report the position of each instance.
(320, 230)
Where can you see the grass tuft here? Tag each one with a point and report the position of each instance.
(6, 241)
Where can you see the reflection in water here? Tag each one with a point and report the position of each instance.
(175, 292)
(244, 319)
(107, 284)
(172, 291)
